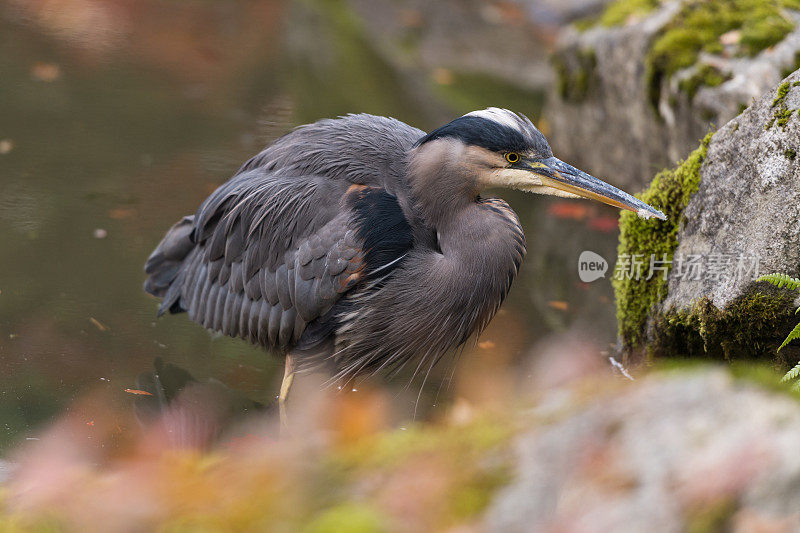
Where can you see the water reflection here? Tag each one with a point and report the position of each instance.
(118, 120)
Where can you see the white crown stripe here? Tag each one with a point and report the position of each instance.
(502, 116)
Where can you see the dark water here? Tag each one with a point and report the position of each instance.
(115, 122)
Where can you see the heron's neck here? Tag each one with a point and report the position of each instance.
(442, 186)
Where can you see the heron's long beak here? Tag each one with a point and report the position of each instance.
(559, 175)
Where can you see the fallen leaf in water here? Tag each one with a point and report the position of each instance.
(568, 210)
(137, 391)
(120, 213)
(100, 233)
(604, 224)
(99, 325)
(46, 72)
(486, 345)
(443, 76)
(6, 145)
(558, 304)
(90, 423)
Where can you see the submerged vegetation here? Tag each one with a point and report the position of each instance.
(669, 191)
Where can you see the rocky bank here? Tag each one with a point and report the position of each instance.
(639, 85)
(733, 211)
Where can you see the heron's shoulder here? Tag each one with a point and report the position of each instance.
(361, 131)
(361, 148)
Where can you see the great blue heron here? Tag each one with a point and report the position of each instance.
(362, 243)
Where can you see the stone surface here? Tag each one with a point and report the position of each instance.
(676, 452)
(748, 202)
(603, 119)
(741, 220)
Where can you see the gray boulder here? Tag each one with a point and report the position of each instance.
(617, 107)
(742, 221)
(680, 452)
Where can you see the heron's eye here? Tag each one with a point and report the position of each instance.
(512, 157)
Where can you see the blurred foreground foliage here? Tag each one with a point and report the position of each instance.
(416, 478)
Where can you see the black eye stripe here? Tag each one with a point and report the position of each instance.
(480, 132)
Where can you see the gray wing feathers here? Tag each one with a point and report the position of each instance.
(246, 278)
(270, 250)
(164, 264)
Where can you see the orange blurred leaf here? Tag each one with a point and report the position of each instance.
(46, 72)
(604, 224)
(99, 325)
(568, 210)
(137, 391)
(121, 212)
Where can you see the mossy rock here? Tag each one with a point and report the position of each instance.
(669, 191)
(574, 74)
(661, 73)
(699, 26)
(736, 196)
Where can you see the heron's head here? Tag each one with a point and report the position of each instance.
(499, 148)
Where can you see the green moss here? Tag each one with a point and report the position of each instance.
(705, 76)
(790, 154)
(698, 26)
(393, 448)
(766, 376)
(573, 82)
(780, 94)
(473, 497)
(354, 517)
(669, 191)
(750, 327)
(782, 114)
(712, 516)
(617, 13)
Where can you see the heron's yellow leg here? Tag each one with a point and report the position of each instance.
(286, 384)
